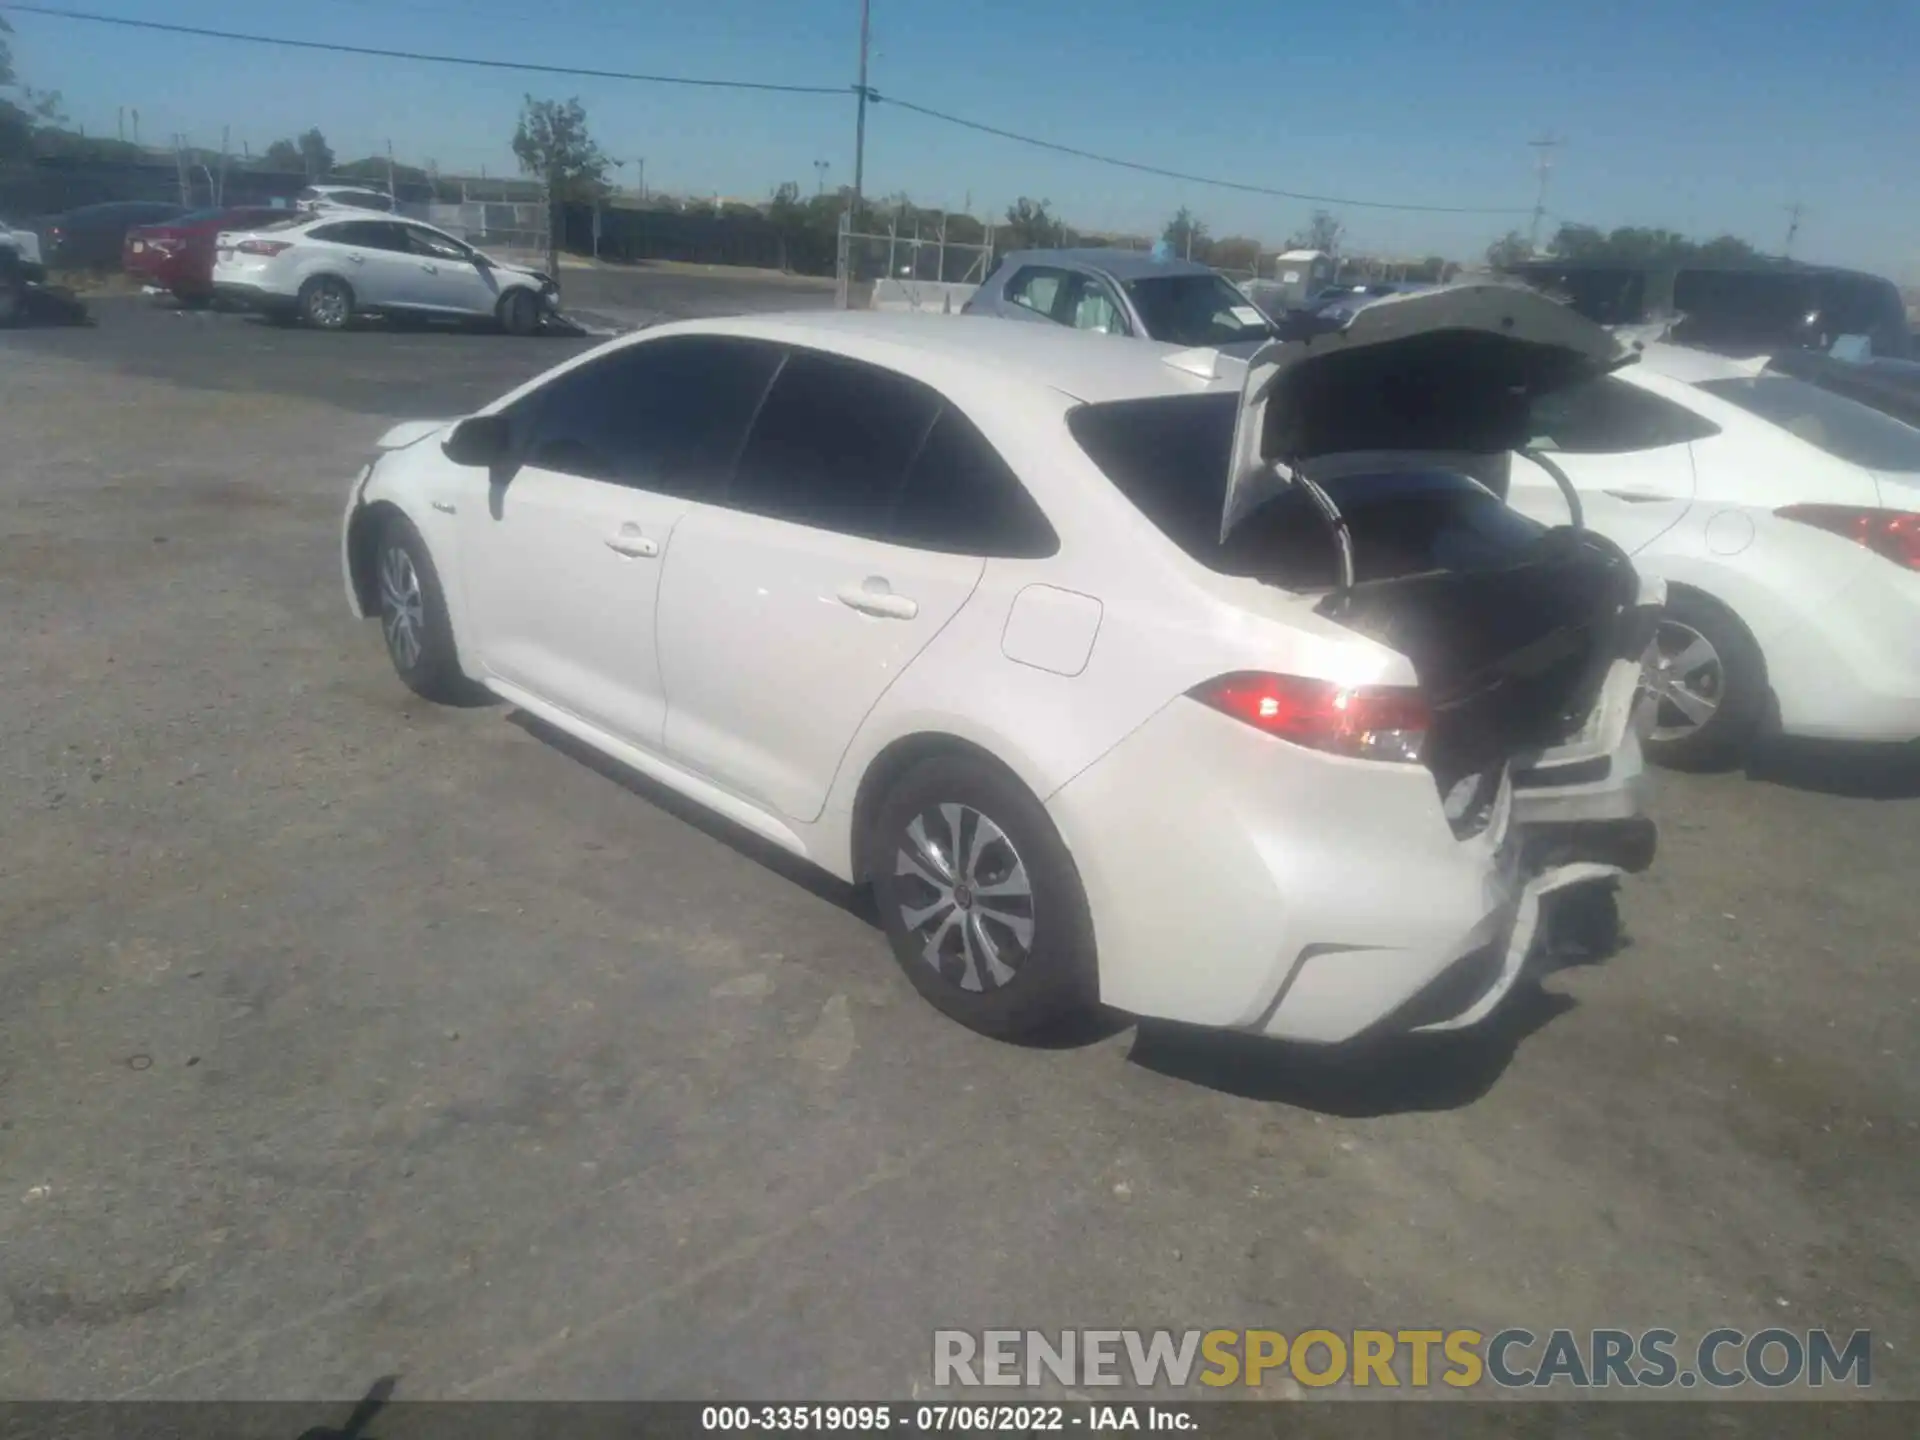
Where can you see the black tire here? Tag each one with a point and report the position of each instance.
(519, 312)
(413, 615)
(192, 299)
(13, 295)
(326, 303)
(1025, 990)
(1735, 679)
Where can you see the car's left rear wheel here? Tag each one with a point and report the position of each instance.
(326, 303)
(981, 901)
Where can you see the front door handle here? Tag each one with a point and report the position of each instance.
(431, 269)
(630, 542)
(1639, 497)
(873, 597)
(358, 259)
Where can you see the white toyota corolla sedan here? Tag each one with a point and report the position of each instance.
(1121, 673)
(1785, 521)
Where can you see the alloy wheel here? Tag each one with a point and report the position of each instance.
(965, 895)
(328, 307)
(403, 613)
(1687, 677)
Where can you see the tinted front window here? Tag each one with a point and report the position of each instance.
(1608, 416)
(666, 416)
(367, 234)
(1169, 458)
(1196, 310)
(960, 497)
(1833, 423)
(832, 444)
(427, 242)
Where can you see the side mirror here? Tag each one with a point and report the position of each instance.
(481, 261)
(479, 440)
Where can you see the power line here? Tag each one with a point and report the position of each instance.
(870, 95)
(1339, 200)
(421, 56)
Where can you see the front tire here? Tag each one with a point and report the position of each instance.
(1711, 683)
(413, 615)
(981, 901)
(519, 312)
(326, 303)
(13, 296)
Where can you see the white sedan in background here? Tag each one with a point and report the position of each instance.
(1786, 523)
(1048, 639)
(324, 269)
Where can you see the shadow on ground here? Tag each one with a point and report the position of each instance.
(1859, 772)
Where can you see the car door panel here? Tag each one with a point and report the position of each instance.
(561, 574)
(1631, 499)
(447, 279)
(776, 640)
(563, 552)
(1628, 453)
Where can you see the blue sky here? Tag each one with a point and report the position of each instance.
(1704, 117)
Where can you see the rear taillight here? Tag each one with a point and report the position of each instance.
(1370, 722)
(263, 247)
(1892, 533)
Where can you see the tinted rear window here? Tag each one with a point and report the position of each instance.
(1196, 310)
(1169, 458)
(1843, 428)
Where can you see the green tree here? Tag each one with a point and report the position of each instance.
(316, 156)
(1185, 235)
(284, 155)
(1508, 251)
(24, 115)
(1322, 232)
(551, 142)
(1031, 225)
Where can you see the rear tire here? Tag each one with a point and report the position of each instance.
(413, 616)
(326, 303)
(981, 900)
(1712, 686)
(13, 295)
(519, 312)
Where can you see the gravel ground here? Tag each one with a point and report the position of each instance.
(342, 1036)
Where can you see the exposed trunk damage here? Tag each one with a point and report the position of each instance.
(1511, 658)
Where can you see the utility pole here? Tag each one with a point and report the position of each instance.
(820, 168)
(1545, 146)
(136, 126)
(120, 123)
(860, 121)
(1794, 212)
(640, 177)
(221, 197)
(392, 193)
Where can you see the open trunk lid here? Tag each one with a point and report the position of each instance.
(1511, 656)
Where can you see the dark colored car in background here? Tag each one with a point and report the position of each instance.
(1890, 386)
(177, 255)
(90, 238)
(1739, 309)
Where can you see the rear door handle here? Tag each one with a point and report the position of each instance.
(874, 598)
(630, 542)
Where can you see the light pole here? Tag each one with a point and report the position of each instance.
(820, 168)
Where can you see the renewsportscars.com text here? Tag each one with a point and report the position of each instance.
(1513, 1359)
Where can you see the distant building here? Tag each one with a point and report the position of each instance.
(1298, 274)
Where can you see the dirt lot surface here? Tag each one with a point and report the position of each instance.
(342, 1036)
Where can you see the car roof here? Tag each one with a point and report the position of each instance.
(1079, 364)
(1120, 264)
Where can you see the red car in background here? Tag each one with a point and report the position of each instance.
(178, 254)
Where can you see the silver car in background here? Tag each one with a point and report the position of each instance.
(1124, 292)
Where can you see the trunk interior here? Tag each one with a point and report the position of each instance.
(1512, 658)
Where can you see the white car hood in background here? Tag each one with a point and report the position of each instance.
(1434, 377)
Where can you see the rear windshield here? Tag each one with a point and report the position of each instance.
(1196, 310)
(1169, 458)
(1843, 428)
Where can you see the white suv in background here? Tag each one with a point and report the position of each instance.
(326, 268)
